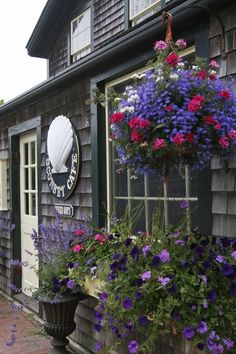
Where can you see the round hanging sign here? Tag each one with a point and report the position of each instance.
(63, 159)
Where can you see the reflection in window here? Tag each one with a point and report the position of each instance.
(81, 35)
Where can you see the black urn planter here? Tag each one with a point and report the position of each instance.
(59, 321)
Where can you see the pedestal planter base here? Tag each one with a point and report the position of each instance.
(60, 320)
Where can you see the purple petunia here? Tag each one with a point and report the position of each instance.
(233, 254)
(70, 284)
(99, 346)
(188, 333)
(202, 327)
(146, 249)
(127, 303)
(164, 281)
(146, 275)
(133, 347)
(220, 259)
(164, 256)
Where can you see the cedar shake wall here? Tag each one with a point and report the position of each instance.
(58, 57)
(108, 20)
(224, 184)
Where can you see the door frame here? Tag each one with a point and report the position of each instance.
(14, 133)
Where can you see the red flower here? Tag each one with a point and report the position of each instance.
(79, 232)
(224, 94)
(117, 117)
(101, 238)
(212, 77)
(78, 248)
(136, 136)
(169, 108)
(178, 139)
(172, 59)
(195, 104)
(189, 138)
(136, 122)
(232, 134)
(202, 74)
(209, 120)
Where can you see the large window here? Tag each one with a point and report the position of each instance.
(81, 35)
(150, 191)
(140, 9)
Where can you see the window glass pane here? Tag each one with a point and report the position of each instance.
(138, 216)
(193, 215)
(27, 203)
(175, 213)
(155, 210)
(176, 185)
(137, 186)
(120, 180)
(120, 207)
(193, 183)
(87, 36)
(26, 151)
(32, 152)
(33, 204)
(155, 186)
(26, 186)
(33, 178)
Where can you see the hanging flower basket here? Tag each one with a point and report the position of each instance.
(174, 114)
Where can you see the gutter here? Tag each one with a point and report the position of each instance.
(123, 44)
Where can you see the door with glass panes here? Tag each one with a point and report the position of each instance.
(29, 212)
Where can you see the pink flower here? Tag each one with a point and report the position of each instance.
(136, 122)
(214, 64)
(158, 144)
(224, 141)
(224, 94)
(101, 238)
(232, 134)
(160, 45)
(168, 108)
(136, 136)
(117, 117)
(181, 43)
(195, 104)
(209, 120)
(172, 59)
(78, 248)
(79, 232)
(217, 126)
(178, 139)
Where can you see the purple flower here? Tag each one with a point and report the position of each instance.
(228, 343)
(220, 259)
(97, 327)
(103, 296)
(98, 316)
(227, 269)
(202, 327)
(212, 296)
(205, 304)
(146, 275)
(183, 204)
(128, 242)
(146, 249)
(138, 295)
(155, 261)
(99, 346)
(232, 289)
(133, 346)
(134, 253)
(143, 320)
(70, 284)
(233, 254)
(164, 256)
(127, 303)
(176, 316)
(200, 346)
(180, 242)
(188, 333)
(164, 281)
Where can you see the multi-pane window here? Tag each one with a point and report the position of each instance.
(151, 192)
(81, 35)
(140, 9)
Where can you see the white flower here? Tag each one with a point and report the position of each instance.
(133, 98)
(195, 67)
(174, 76)
(117, 99)
(129, 109)
(213, 72)
(159, 78)
(133, 177)
(181, 64)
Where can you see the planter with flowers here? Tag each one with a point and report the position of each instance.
(58, 292)
(174, 114)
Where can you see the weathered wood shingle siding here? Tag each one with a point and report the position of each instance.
(58, 58)
(224, 184)
(108, 20)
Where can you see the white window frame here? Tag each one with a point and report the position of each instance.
(86, 49)
(3, 184)
(188, 51)
(138, 17)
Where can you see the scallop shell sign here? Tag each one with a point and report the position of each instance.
(62, 162)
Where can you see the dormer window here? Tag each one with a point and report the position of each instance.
(141, 9)
(81, 35)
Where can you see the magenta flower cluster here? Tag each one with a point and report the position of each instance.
(178, 114)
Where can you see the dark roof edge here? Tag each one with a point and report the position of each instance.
(98, 56)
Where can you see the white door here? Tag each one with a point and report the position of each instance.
(29, 212)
